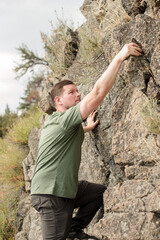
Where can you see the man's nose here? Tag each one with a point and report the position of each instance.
(78, 94)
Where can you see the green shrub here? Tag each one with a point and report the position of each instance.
(20, 131)
(6, 121)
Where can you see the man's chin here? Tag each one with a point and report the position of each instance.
(77, 102)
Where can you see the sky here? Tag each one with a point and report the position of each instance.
(21, 22)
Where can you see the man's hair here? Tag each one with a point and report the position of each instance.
(57, 90)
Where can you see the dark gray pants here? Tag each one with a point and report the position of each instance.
(56, 212)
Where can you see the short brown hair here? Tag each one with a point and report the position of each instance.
(57, 90)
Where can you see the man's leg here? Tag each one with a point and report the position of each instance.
(56, 215)
(89, 199)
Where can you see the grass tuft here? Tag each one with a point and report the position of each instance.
(151, 116)
(20, 131)
(90, 44)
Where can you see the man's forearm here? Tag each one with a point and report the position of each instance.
(106, 81)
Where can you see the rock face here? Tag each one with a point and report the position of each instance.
(122, 152)
(27, 221)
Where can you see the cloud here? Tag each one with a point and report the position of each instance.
(10, 94)
(22, 22)
(10, 89)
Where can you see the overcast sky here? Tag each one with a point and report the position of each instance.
(22, 21)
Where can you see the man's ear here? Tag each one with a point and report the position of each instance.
(57, 100)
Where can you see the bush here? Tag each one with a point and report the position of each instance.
(7, 121)
(20, 131)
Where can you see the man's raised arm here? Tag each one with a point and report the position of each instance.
(92, 100)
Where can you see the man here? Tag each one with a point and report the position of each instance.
(55, 189)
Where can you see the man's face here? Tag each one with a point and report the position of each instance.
(70, 96)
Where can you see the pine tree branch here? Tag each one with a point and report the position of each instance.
(29, 60)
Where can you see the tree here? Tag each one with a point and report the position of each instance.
(28, 61)
(6, 121)
(32, 92)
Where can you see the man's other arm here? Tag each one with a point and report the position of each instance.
(92, 100)
(91, 123)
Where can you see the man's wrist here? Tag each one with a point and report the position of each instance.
(118, 58)
(86, 129)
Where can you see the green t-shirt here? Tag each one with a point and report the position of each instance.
(59, 154)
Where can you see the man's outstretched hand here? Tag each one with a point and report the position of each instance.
(128, 50)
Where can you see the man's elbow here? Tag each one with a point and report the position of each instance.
(89, 104)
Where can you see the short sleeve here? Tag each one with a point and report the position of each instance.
(71, 117)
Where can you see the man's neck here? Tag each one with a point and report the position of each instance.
(60, 109)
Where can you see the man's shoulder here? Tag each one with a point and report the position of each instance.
(65, 119)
